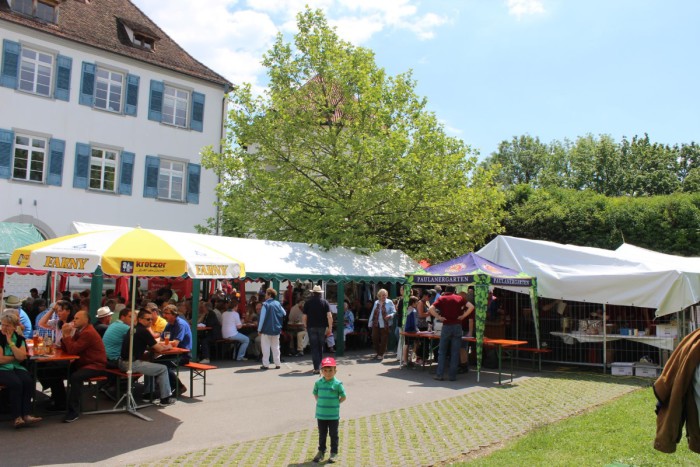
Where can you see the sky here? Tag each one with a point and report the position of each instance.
(490, 69)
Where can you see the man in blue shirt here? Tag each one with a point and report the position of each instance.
(180, 336)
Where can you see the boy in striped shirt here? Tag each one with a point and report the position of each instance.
(329, 393)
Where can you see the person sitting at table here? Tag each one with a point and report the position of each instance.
(250, 328)
(159, 322)
(80, 338)
(181, 337)
(348, 318)
(114, 336)
(208, 319)
(410, 326)
(104, 316)
(230, 329)
(15, 304)
(18, 383)
(145, 342)
(295, 327)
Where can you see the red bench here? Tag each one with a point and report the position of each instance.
(198, 371)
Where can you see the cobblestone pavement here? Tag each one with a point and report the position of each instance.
(433, 432)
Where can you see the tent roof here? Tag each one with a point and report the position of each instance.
(628, 276)
(461, 270)
(290, 260)
(14, 235)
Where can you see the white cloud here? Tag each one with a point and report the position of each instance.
(230, 36)
(520, 8)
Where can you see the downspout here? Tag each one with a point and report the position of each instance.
(224, 105)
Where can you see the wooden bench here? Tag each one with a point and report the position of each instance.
(121, 375)
(535, 353)
(198, 371)
(93, 387)
(229, 345)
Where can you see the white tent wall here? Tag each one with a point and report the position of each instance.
(629, 276)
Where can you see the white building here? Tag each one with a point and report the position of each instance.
(102, 119)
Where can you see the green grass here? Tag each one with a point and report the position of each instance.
(618, 433)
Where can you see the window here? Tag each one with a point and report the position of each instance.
(144, 42)
(35, 72)
(44, 11)
(30, 158)
(103, 169)
(109, 86)
(171, 180)
(175, 104)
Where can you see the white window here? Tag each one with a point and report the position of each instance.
(175, 106)
(109, 86)
(103, 169)
(171, 180)
(35, 72)
(29, 159)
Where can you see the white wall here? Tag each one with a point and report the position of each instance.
(52, 209)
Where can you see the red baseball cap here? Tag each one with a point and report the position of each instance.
(328, 361)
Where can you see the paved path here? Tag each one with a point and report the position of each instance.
(250, 417)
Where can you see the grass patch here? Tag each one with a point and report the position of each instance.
(618, 433)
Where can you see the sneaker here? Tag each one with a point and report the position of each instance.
(205, 361)
(242, 359)
(263, 367)
(299, 354)
(318, 457)
(167, 401)
(70, 418)
(333, 458)
(438, 378)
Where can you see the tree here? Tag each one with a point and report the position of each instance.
(338, 153)
(521, 160)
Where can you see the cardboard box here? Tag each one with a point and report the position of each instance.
(647, 371)
(667, 330)
(622, 368)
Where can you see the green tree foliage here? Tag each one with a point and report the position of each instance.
(669, 223)
(632, 167)
(338, 153)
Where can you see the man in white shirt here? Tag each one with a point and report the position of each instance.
(230, 324)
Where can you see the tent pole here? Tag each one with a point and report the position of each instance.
(340, 326)
(605, 339)
(195, 316)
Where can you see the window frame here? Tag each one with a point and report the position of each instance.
(168, 172)
(122, 93)
(30, 151)
(115, 163)
(51, 5)
(175, 99)
(35, 72)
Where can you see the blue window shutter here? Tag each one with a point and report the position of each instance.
(193, 176)
(132, 96)
(63, 68)
(7, 137)
(150, 178)
(57, 148)
(155, 104)
(197, 119)
(10, 64)
(82, 165)
(87, 84)
(126, 174)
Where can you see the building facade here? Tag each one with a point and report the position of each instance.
(102, 119)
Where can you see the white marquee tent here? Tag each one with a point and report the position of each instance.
(627, 276)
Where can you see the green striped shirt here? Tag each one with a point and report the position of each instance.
(328, 402)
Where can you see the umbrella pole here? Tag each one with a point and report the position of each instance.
(127, 399)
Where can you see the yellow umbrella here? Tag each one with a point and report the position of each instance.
(129, 252)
